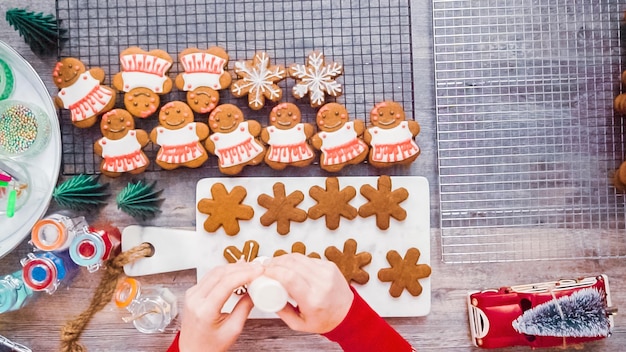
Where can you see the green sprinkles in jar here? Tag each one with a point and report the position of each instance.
(18, 129)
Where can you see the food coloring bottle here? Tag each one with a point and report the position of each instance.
(56, 232)
(45, 271)
(93, 246)
(14, 294)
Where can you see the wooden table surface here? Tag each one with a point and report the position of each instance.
(444, 329)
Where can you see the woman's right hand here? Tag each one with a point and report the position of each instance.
(320, 290)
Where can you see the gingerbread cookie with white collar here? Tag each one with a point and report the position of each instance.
(338, 138)
(234, 140)
(143, 79)
(391, 136)
(81, 91)
(287, 138)
(179, 137)
(203, 77)
(121, 146)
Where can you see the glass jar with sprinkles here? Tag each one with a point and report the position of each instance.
(24, 128)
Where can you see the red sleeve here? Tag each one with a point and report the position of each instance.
(363, 330)
(174, 345)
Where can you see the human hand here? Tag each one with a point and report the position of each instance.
(204, 327)
(322, 293)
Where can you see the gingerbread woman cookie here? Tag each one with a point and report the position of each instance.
(287, 138)
(391, 136)
(204, 75)
(143, 79)
(82, 92)
(121, 145)
(234, 140)
(338, 138)
(179, 137)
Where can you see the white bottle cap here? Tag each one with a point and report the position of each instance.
(267, 294)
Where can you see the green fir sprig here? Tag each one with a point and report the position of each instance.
(81, 192)
(140, 200)
(40, 31)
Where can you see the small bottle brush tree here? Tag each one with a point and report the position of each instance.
(581, 314)
(40, 31)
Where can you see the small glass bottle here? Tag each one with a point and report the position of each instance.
(56, 232)
(45, 271)
(14, 294)
(93, 246)
(152, 308)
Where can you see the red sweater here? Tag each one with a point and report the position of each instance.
(362, 330)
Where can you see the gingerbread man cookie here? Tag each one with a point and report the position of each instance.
(143, 79)
(287, 138)
(82, 92)
(234, 140)
(204, 75)
(391, 136)
(179, 137)
(338, 138)
(122, 144)
(258, 80)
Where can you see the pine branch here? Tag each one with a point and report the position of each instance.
(40, 31)
(140, 200)
(81, 192)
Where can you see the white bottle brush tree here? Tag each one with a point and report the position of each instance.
(584, 313)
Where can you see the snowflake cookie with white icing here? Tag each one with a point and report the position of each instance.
(258, 80)
(317, 78)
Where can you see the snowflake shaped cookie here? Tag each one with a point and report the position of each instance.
(298, 247)
(282, 208)
(225, 209)
(316, 78)
(350, 262)
(383, 202)
(258, 80)
(332, 203)
(404, 272)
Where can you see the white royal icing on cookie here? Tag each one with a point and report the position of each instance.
(202, 70)
(342, 145)
(316, 78)
(258, 80)
(124, 154)
(236, 147)
(288, 146)
(85, 98)
(393, 144)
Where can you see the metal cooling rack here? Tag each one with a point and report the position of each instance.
(371, 38)
(527, 137)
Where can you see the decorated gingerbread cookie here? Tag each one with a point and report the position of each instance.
(317, 79)
(121, 145)
(338, 138)
(234, 140)
(258, 79)
(204, 75)
(391, 136)
(179, 137)
(287, 138)
(143, 79)
(81, 91)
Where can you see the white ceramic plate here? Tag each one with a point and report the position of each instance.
(43, 167)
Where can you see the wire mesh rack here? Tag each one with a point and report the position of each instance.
(372, 39)
(527, 137)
